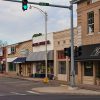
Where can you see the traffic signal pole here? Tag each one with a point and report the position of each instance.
(72, 81)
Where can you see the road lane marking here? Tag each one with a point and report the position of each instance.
(2, 95)
(17, 82)
(17, 93)
(33, 92)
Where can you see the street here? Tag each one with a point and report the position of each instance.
(18, 89)
(10, 86)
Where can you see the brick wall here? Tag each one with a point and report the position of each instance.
(83, 9)
(21, 46)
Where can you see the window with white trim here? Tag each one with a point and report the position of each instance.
(99, 20)
(90, 21)
(93, 1)
(11, 50)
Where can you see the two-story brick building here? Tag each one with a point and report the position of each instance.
(88, 12)
(16, 58)
(62, 62)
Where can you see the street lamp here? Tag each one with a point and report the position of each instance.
(45, 16)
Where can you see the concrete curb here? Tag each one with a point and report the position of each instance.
(22, 78)
(47, 90)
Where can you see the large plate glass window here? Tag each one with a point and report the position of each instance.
(88, 68)
(62, 67)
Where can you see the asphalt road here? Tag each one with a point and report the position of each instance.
(17, 89)
(11, 86)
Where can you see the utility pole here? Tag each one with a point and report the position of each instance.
(72, 81)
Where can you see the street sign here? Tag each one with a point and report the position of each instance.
(43, 4)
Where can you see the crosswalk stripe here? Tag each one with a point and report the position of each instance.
(33, 92)
(17, 93)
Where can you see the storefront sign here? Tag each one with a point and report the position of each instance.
(90, 52)
(40, 43)
(96, 52)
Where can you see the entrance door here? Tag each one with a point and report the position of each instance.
(88, 73)
(29, 70)
(20, 69)
(98, 73)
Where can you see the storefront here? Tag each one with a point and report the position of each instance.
(38, 61)
(23, 68)
(2, 65)
(89, 65)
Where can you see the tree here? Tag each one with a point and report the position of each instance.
(3, 43)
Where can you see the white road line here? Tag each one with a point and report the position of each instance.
(2, 95)
(33, 92)
(17, 93)
(17, 82)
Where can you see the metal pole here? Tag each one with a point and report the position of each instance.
(72, 48)
(46, 44)
(35, 3)
(46, 60)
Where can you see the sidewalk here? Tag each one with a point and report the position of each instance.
(20, 77)
(54, 82)
(65, 90)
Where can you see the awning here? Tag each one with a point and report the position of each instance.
(11, 59)
(40, 56)
(20, 60)
(89, 52)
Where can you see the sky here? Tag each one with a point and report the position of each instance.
(17, 25)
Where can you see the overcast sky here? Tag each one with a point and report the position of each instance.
(17, 25)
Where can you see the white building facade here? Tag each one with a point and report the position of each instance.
(37, 57)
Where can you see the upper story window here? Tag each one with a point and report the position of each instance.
(99, 20)
(90, 20)
(1, 52)
(93, 1)
(64, 41)
(61, 54)
(11, 50)
(58, 42)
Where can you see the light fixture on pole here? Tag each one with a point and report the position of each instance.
(45, 16)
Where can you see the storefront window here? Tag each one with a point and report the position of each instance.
(61, 54)
(12, 67)
(62, 67)
(88, 68)
(76, 68)
(98, 70)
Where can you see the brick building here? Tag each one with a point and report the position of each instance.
(61, 62)
(88, 12)
(16, 58)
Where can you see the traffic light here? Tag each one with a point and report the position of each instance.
(77, 51)
(67, 52)
(24, 5)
